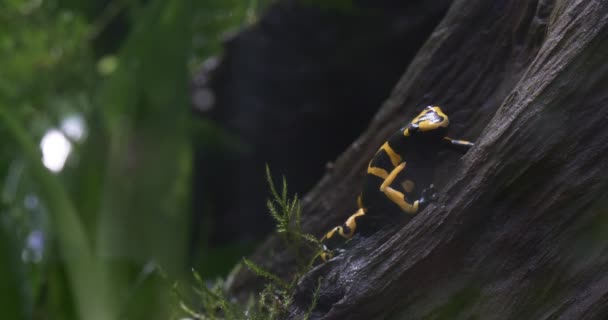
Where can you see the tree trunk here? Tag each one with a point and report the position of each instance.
(519, 230)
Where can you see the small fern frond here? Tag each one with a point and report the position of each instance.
(315, 298)
(214, 301)
(278, 204)
(315, 242)
(273, 190)
(184, 307)
(284, 193)
(295, 207)
(265, 274)
(281, 223)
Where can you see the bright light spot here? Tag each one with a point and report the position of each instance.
(55, 150)
(74, 127)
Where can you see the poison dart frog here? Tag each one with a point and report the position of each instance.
(403, 164)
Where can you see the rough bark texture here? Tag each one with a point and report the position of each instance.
(519, 230)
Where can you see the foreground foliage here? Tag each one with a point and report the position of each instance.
(84, 231)
(274, 300)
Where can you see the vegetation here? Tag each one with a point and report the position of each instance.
(99, 90)
(275, 299)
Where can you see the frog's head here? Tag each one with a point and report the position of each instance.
(431, 121)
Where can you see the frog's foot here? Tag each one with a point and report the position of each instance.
(327, 254)
(429, 195)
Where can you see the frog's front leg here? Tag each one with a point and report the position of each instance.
(460, 146)
(395, 196)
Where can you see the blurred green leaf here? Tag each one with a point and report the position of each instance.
(107, 65)
(84, 270)
(121, 203)
(15, 303)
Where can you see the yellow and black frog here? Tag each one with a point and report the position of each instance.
(402, 165)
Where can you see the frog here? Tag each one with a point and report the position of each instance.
(398, 179)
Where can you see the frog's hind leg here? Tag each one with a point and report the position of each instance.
(395, 196)
(340, 234)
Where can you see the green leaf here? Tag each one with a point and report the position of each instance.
(14, 301)
(265, 274)
(83, 267)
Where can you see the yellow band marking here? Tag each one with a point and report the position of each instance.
(329, 235)
(425, 125)
(399, 199)
(351, 223)
(391, 177)
(395, 158)
(395, 196)
(378, 172)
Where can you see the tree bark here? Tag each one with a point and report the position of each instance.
(519, 230)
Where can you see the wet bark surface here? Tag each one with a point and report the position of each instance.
(519, 230)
